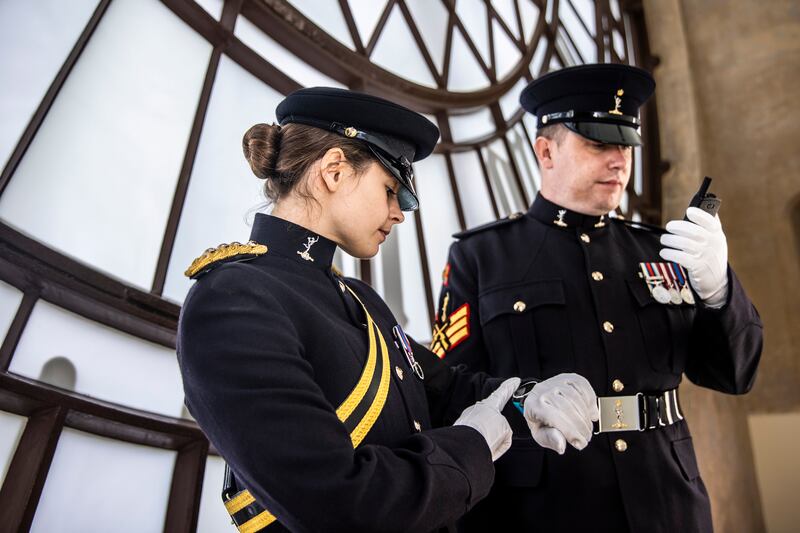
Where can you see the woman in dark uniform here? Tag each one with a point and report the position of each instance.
(303, 380)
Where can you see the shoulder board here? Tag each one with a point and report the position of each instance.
(639, 225)
(224, 253)
(513, 217)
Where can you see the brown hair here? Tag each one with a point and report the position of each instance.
(283, 155)
(554, 132)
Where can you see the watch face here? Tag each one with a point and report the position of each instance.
(523, 390)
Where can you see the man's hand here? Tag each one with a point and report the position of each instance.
(560, 410)
(485, 417)
(700, 246)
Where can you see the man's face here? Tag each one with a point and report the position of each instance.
(584, 175)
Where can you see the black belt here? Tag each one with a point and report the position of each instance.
(638, 412)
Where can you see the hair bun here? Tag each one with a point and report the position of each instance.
(261, 145)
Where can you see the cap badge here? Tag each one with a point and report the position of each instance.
(310, 242)
(560, 220)
(617, 103)
(350, 132)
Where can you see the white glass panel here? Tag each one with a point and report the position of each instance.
(509, 102)
(110, 365)
(346, 263)
(105, 162)
(212, 7)
(327, 15)
(615, 8)
(586, 11)
(465, 72)
(473, 15)
(280, 57)
(524, 158)
(409, 63)
(100, 484)
(530, 123)
(583, 41)
(10, 298)
(529, 13)
(414, 305)
(475, 198)
(472, 126)
(366, 14)
(36, 38)
(619, 44)
(538, 57)
(506, 191)
(223, 193)
(213, 517)
(11, 427)
(431, 19)
(505, 8)
(506, 53)
(440, 219)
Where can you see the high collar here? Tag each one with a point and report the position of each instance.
(552, 214)
(292, 241)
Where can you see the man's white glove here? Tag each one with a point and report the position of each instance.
(560, 410)
(700, 247)
(486, 418)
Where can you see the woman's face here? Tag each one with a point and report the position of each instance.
(365, 210)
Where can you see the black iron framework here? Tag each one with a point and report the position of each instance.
(43, 273)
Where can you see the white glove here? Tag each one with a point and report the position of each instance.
(560, 410)
(486, 418)
(700, 247)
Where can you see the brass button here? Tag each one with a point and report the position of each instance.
(617, 385)
(417, 426)
(519, 306)
(597, 276)
(621, 445)
(585, 238)
(399, 372)
(514, 216)
(608, 326)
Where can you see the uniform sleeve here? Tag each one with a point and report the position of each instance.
(250, 389)
(456, 335)
(725, 344)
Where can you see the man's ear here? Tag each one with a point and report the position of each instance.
(332, 168)
(543, 147)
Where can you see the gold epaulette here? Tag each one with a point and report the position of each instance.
(224, 252)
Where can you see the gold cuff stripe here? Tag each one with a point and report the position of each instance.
(239, 502)
(261, 520)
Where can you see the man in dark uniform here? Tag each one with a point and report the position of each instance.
(303, 380)
(632, 307)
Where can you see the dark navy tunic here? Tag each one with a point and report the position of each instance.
(269, 347)
(542, 299)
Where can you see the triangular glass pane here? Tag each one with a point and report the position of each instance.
(505, 8)
(366, 13)
(572, 25)
(506, 53)
(431, 20)
(473, 15)
(327, 15)
(529, 12)
(397, 37)
(465, 72)
(586, 10)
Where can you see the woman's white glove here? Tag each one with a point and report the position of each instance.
(560, 410)
(700, 246)
(486, 418)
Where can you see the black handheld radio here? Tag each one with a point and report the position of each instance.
(705, 200)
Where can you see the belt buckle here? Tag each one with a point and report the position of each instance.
(619, 413)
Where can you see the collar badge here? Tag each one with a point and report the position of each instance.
(310, 242)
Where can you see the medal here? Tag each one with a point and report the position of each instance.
(661, 294)
(402, 343)
(654, 282)
(669, 278)
(686, 292)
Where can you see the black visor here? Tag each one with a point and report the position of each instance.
(606, 133)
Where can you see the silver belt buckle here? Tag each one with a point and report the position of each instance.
(619, 413)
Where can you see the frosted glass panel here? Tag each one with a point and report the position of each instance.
(99, 484)
(409, 63)
(11, 427)
(509, 102)
(505, 8)
(524, 158)
(506, 53)
(439, 216)
(431, 20)
(212, 7)
(506, 191)
(283, 59)
(36, 38)
(475, 198)
(327, 15)
(416, 310)
(529, 13)
(213, 516)
(223, 193)
(10, 298)
(366, 14)
(105, 162)
(109, 364)
(473, 15)
(472, 125)
(465, 72)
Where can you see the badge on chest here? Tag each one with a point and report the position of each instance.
(668, 283)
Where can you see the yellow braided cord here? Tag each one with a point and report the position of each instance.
(375, 409)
